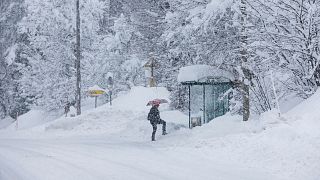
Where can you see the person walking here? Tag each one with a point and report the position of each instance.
(154, 118)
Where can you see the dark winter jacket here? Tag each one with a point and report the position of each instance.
(154, 115)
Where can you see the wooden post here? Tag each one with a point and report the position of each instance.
(152, 79)
(151, 64)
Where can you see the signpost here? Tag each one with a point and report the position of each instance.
(96, 91)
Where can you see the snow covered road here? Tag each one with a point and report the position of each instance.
(114, 143)
(98, 158)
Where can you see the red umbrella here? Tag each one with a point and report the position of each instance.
(155, 101)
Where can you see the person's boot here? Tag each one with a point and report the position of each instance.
(164, 132)
(154, 130)
(153, 137)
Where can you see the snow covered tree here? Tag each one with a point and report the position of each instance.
(290, 36)
(220, 34)
(11, 99)
(200, 32)
(249, 38)
(244, 61)
(50, 27)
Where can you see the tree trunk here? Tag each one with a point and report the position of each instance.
(244, 61)
(78, 56)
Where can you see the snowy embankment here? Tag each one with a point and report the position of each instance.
(127, 117)
(114, 143)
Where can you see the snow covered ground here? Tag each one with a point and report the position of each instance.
(114, 143)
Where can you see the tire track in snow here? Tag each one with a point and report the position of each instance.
(58, 157)
(27, 159)
(10, 170)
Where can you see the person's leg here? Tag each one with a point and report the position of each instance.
(164, 124)
(154, 127)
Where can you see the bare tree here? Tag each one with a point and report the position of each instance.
(244, 62)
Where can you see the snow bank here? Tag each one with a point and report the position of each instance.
(31, 119)
(127, 114)
(223, 126)
(138, 97)
(306, 116)
(200, 72)
(289, 103)
(7, 121)
(307, 108)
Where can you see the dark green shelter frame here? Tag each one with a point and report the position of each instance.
(218, 88)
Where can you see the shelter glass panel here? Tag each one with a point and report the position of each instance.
(196, 101)
(217, 100)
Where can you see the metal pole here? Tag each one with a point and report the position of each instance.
(275, 93)
(110, 98)
(17, 121)
(95, 101)
(204, 104)
(189, 109)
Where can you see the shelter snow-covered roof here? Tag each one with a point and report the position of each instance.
(201, 73)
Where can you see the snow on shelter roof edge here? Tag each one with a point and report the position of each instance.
(200, 72)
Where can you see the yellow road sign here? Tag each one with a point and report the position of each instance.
(96, 92)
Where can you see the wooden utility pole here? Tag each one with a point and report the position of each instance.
(78, 56)
(244, 62)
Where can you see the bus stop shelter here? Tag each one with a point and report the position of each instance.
(208, 91)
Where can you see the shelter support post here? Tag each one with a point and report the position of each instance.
(224, 104)
(95, 101)
(214, 102)
(204, 104)
(189, 108)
